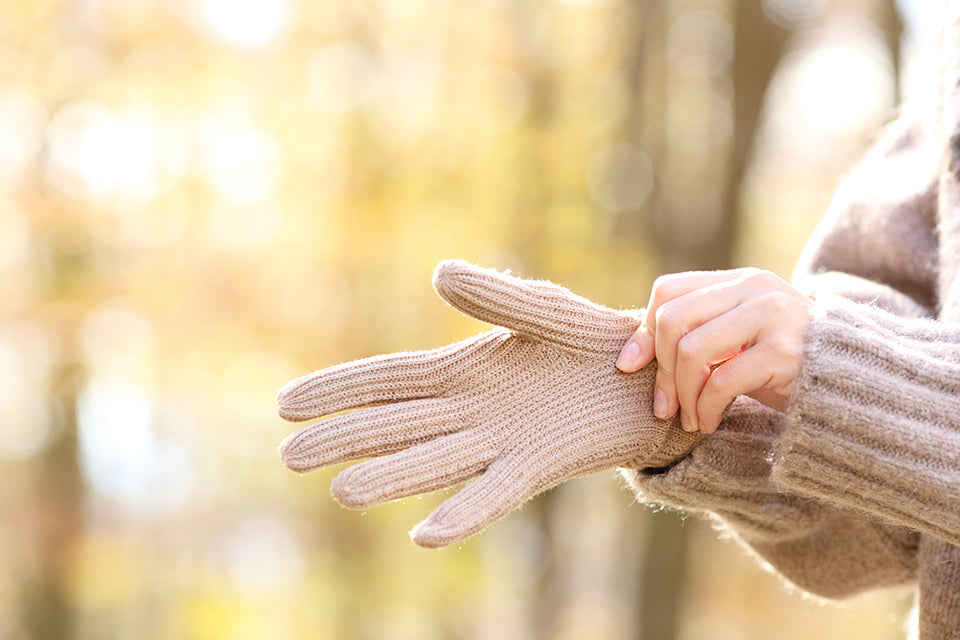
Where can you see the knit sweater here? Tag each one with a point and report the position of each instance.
(857, 486)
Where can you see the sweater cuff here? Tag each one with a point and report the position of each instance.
(875, 422)
(728, 474)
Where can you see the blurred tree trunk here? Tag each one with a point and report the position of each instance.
(534, 188)
(759, 46)
(660, 565)
(47, 611)
(890, 22)
(646, 71)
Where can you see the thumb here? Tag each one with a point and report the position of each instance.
(537, 309)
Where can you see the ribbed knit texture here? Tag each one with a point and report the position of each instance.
(523, 406)
(939, 562)
(894, 386)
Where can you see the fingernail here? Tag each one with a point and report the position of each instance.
(627, 360)
(711, 426)
(685, 422)
(660, 404)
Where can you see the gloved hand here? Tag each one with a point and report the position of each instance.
(523, 406)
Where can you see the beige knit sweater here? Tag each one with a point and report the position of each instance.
(858, 485)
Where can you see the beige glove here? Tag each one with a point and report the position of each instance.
(524, 407)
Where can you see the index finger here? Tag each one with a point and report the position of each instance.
(673, 285)
(641, 348)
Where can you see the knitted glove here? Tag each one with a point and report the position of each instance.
(524, 406)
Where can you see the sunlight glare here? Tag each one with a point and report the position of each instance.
(111, 156)
(341, 77)
(852, 86)
(405, 105)
(248, 24)
(22, 118)
(832, 87)
(121, 454)
(242, 162)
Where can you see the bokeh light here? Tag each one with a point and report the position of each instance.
(621, 178)
(248, 23)
(342, 77)
(853, 80)
(112, 156)
(22, 120)
(240, 160)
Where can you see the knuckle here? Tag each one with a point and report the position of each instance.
(781, 345)
(688, 349)
(719, 380)
(671, 323)
(664, 287)
(664, 377)
(747, 272)
(666, 320)
(662, 315)
(761, 278)
(776, 302)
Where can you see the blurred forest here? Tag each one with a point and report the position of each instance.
(200, 200)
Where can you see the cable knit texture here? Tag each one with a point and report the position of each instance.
(523, 406)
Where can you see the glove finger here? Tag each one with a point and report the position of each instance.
(535, 308)
(426, 467)
(505, 486)
(379, 379)
(372, 432)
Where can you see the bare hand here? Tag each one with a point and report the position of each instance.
(717, 335)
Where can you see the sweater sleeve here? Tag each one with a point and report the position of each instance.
(833, 495)
(875, 423)
(826, 549)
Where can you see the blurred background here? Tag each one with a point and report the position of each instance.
(200, 200)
